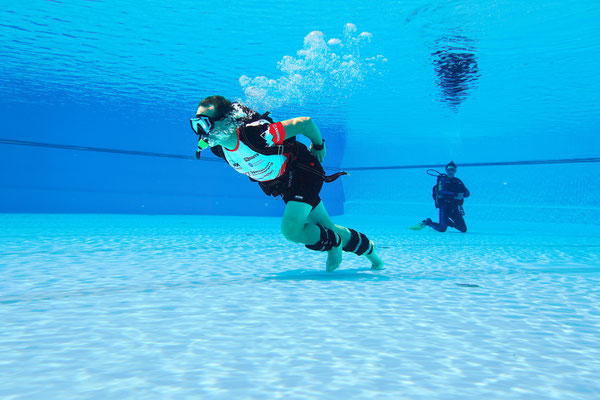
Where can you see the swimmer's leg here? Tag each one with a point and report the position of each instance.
(297, 228)
(443, 224)
(359, 242)
(459, 221)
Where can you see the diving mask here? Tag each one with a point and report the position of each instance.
(202, 125)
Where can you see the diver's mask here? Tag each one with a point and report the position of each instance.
(202, 125)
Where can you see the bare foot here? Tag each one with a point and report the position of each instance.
(334, 258)
(376, 262)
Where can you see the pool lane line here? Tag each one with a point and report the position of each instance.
(374, 168)
(481, 164)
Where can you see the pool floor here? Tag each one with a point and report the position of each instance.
(175, 307)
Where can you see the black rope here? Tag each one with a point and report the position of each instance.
(99, 149)
(389, 167)
(481, 164)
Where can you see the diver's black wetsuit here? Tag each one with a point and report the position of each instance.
(444, 193)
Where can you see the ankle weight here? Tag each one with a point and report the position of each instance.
(358, 244)
(328, 240)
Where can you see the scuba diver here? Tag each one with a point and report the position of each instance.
(268, 153)
(449, 193)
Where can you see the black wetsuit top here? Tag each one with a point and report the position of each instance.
(445, 191)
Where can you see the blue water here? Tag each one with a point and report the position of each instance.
(129, 270)
(380, 82)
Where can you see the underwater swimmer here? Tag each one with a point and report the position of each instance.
(449, 194)
(268, 153)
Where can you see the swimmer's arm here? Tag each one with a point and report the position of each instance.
(305, 126)
(467, 193)
(302, 126)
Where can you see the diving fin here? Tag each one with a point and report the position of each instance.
(418, 226)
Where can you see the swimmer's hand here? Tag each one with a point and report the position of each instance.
(320, 154)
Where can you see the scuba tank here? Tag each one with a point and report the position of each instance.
(437, 188)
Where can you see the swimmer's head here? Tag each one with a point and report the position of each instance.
(219, 107)
(216, 120)
(451, 169)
